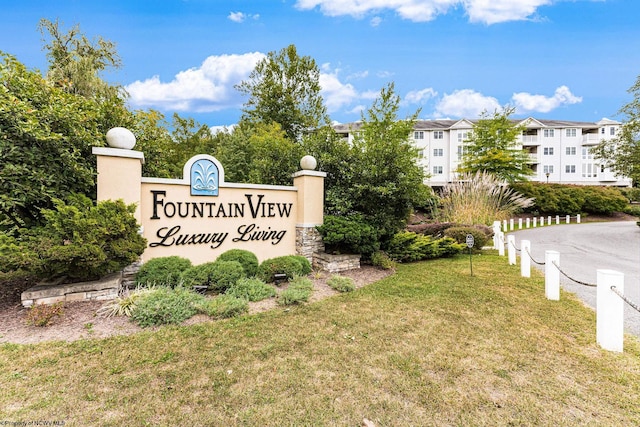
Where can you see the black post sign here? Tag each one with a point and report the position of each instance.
(470, 243)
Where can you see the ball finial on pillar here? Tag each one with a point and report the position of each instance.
(119, 137)
(308, 163)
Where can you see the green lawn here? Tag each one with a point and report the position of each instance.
(430, 345)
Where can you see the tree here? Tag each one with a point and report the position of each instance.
(284, 88)
(75, 63)
(46, 137)
(493, 148)
(622, 153)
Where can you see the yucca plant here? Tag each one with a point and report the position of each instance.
(124, 304)
(479, 198)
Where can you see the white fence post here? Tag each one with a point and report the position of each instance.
(557, 219)
(496, 231)
(519, 223)
(541, 221)
(568, 219)
(535, 222)
(511, 224)
(504, 225)
(511, 249)
(528, 222)
(549, 220)
(551, 275)
(501, 243)
(525, 261)
(578, 218)
(610, 310)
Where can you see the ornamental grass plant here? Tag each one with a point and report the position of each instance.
(479, 198)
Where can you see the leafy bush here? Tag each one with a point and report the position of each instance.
(81, 241)
(381, 259)
(459, 234)
(572, 199)
(288, 265)
(408, 246)
(247, 259)
(305, 264)
(165, 306)
(224, 274)
(632, 210)
(341, 283)
(298, 291)
(43, 314)
(218, 275)
(224, 306)
(251, 289)
(632, 194)
(348, 234)
(435, 229)
(162, 271)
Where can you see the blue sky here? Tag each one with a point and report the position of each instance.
(565, 60)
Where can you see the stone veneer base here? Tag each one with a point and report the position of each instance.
(336, 263)
(44, 293)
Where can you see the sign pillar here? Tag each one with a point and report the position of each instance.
(310, 213)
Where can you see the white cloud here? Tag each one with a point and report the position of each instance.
(375, 21)
(465, 103)
(240, 17)
(483, 11)
(420, 96)
(335, 93)
(204, 89)
(525, 102)
(237, 16)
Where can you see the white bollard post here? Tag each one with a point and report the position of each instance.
(501, 244)
(511, 249)
(525, 261)
(519, 223)
(568, 219)
(496, 230)
(578, 218)
(557, 219)
(551, 275)
(541, 221)
(511, 224)
(528, 222)
(610, 310)
(535, 222)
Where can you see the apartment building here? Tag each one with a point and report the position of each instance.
(559, 151)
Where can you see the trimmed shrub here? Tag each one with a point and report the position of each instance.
(348, 235)
(43, 314)
(632, 210)
(288, 265)
(459, 234)
(251, 289)
(223, 274)
(224, 306)
(408, 247)
(166, 306)
(305, 264)
(341, 283)
(299, 291)
(82, 241)
(247, 259)
(381, 260)
(164, 271)
(197, 275)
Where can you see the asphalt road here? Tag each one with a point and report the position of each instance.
(586, 248)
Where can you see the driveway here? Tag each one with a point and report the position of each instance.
(585, 248)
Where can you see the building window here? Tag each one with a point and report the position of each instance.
(612, 131)
(547, 169)
(421, 154)
(570, 132)
(548, 133)
(418, 135)
(570, 168)
(438, 152)
(602, 168)
(571, 151)
(589, 170)
(438, 134)
(463, 136)
(548, 151)
(602, 131)
(462, 150)
(437, 170)
(586, 154)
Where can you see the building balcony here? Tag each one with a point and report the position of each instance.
(530, 140)
(533, 158)
(590, 139)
